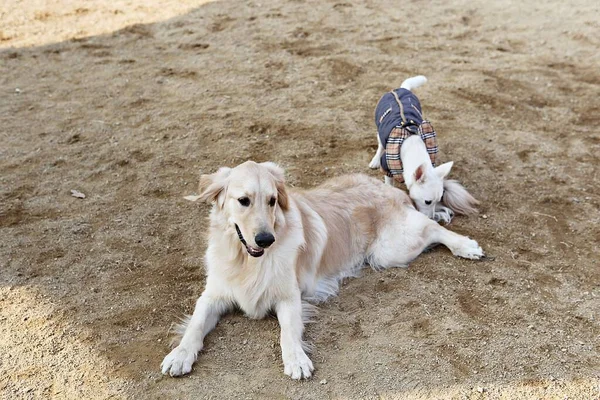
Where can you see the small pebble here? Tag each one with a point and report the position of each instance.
(77, 193)
(323, 382)
(480, 389)
(484, 216)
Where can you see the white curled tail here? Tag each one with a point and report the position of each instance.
(458, 199)
(414, 82)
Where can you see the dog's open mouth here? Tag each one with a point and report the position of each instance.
(253, 251)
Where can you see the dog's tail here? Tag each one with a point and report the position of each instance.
(458, 199)
(414, 82)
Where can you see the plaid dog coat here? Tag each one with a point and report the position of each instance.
(397, 116)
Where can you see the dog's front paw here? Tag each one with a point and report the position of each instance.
(443, 215)
(469, 249)
(298, 366)
(179, 361)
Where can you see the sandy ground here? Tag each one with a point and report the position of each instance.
(128, 100)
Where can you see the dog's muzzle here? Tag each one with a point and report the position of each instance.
(254, 252)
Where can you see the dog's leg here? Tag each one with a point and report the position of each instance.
(406, 235)
(443, 214)
(376, 160)
(206, 315)
(459, 245)
(295, 361)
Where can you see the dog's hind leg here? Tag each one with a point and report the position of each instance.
(459, 245)
(376, 160)
(403, 238)
(206, 315)
(400, 239)
(295, 361)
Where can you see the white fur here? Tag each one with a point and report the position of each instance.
(321, 236)
(425, 183)
(458, 199)
(430, 185)
(376, 160)
(414, 82)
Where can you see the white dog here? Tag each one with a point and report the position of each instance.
(406, 153)
(270, 248)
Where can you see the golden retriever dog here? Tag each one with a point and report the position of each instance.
(270, 248)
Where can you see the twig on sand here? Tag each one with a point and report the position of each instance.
(546, 215)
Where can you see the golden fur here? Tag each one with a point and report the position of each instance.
(320, 236)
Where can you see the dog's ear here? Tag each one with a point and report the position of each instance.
(212, 187)
(279, 175)
(420, 173)
(443, 170)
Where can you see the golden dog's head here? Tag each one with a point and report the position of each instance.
(253, 198)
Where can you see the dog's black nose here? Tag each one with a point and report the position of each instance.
(264, 239)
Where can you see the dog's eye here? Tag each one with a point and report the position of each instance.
(428, 202)
(272, 201)
(244, 201)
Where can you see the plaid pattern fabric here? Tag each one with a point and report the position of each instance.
(394, 143)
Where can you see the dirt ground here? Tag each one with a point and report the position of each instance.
(128, 100)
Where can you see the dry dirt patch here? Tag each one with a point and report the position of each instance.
(127, 107)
